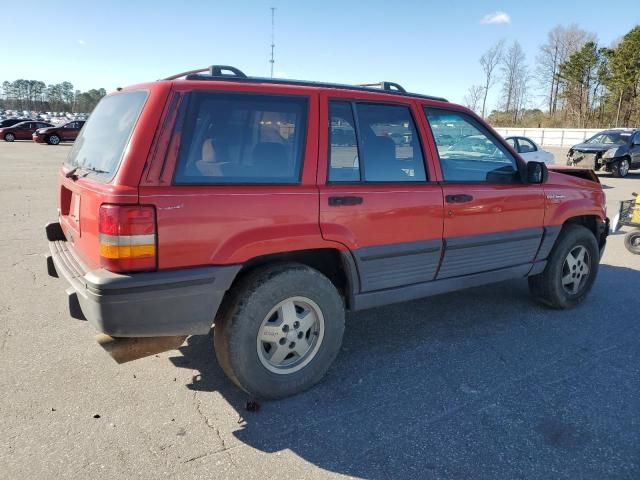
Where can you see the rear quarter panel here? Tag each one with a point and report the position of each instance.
(207, 225)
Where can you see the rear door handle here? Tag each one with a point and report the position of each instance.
(460, 198)
(343, 201)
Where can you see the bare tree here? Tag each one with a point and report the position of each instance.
(562, 42)
(474, 97)
(489, 61)
(514, 74)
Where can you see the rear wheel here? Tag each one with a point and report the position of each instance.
(53, 140)
(632, 241)
(571, 269)
(620, 168)
(279, 330)
(9, 137)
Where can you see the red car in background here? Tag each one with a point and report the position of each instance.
(22, 131)
(61, 133)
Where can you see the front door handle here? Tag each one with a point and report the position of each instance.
(460, 198)
(343, 201)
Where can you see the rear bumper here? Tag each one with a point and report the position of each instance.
(150, 304)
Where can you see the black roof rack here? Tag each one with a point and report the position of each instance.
(389, 86)
(217, 72)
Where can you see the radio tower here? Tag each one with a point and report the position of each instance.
(273, 45)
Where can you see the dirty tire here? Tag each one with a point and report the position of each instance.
(620, 168)
(243, 311)
(632, 241)
(547, 287)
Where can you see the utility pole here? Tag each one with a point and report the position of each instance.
(273, 44)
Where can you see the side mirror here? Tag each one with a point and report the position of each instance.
(537, 172)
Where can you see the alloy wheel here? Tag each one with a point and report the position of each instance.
(290, 335)
(624, 167)
(576, 269)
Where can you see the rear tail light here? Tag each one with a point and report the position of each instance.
(128, 238)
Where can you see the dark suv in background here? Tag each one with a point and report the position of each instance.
(616, 151)
(60, 133)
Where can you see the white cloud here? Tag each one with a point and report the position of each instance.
(82, 42)
(496, 17)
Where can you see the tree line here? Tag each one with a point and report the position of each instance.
(35, 95)
(574, 82)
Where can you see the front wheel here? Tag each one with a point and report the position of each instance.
(9, 137)
(620, 168)
(279, 330)
(571, 269)
(632, 241)
(53, 140)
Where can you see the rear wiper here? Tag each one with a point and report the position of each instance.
(72, 173)
(94, 170)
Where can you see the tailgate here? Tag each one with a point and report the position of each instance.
(105, 164)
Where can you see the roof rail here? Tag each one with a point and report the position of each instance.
(214, 71)
(388, 86)
(217, 72)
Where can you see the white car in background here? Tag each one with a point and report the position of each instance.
(530, 150)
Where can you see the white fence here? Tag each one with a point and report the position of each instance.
(552, 137)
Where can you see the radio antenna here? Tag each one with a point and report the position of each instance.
(273, 44)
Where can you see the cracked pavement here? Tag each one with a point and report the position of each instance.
(482, 383)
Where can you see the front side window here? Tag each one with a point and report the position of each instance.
(382, 146)
(242, 138)
(610, 138)
(475, 155)
(526, 146)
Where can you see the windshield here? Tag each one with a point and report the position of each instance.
(614, 138)
(104, 137)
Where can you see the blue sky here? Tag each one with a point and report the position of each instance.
(428, 47)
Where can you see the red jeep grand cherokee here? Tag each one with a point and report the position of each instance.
(269, 207)
(61, 133)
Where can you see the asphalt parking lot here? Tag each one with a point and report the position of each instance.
(482, 383)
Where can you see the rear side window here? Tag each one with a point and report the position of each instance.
(389, 144)
(382, 146)
(242, 139)
(104, 138)
(344, 164)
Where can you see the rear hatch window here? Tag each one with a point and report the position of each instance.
(100, 146)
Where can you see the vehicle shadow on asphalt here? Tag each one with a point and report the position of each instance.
(478, 383)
